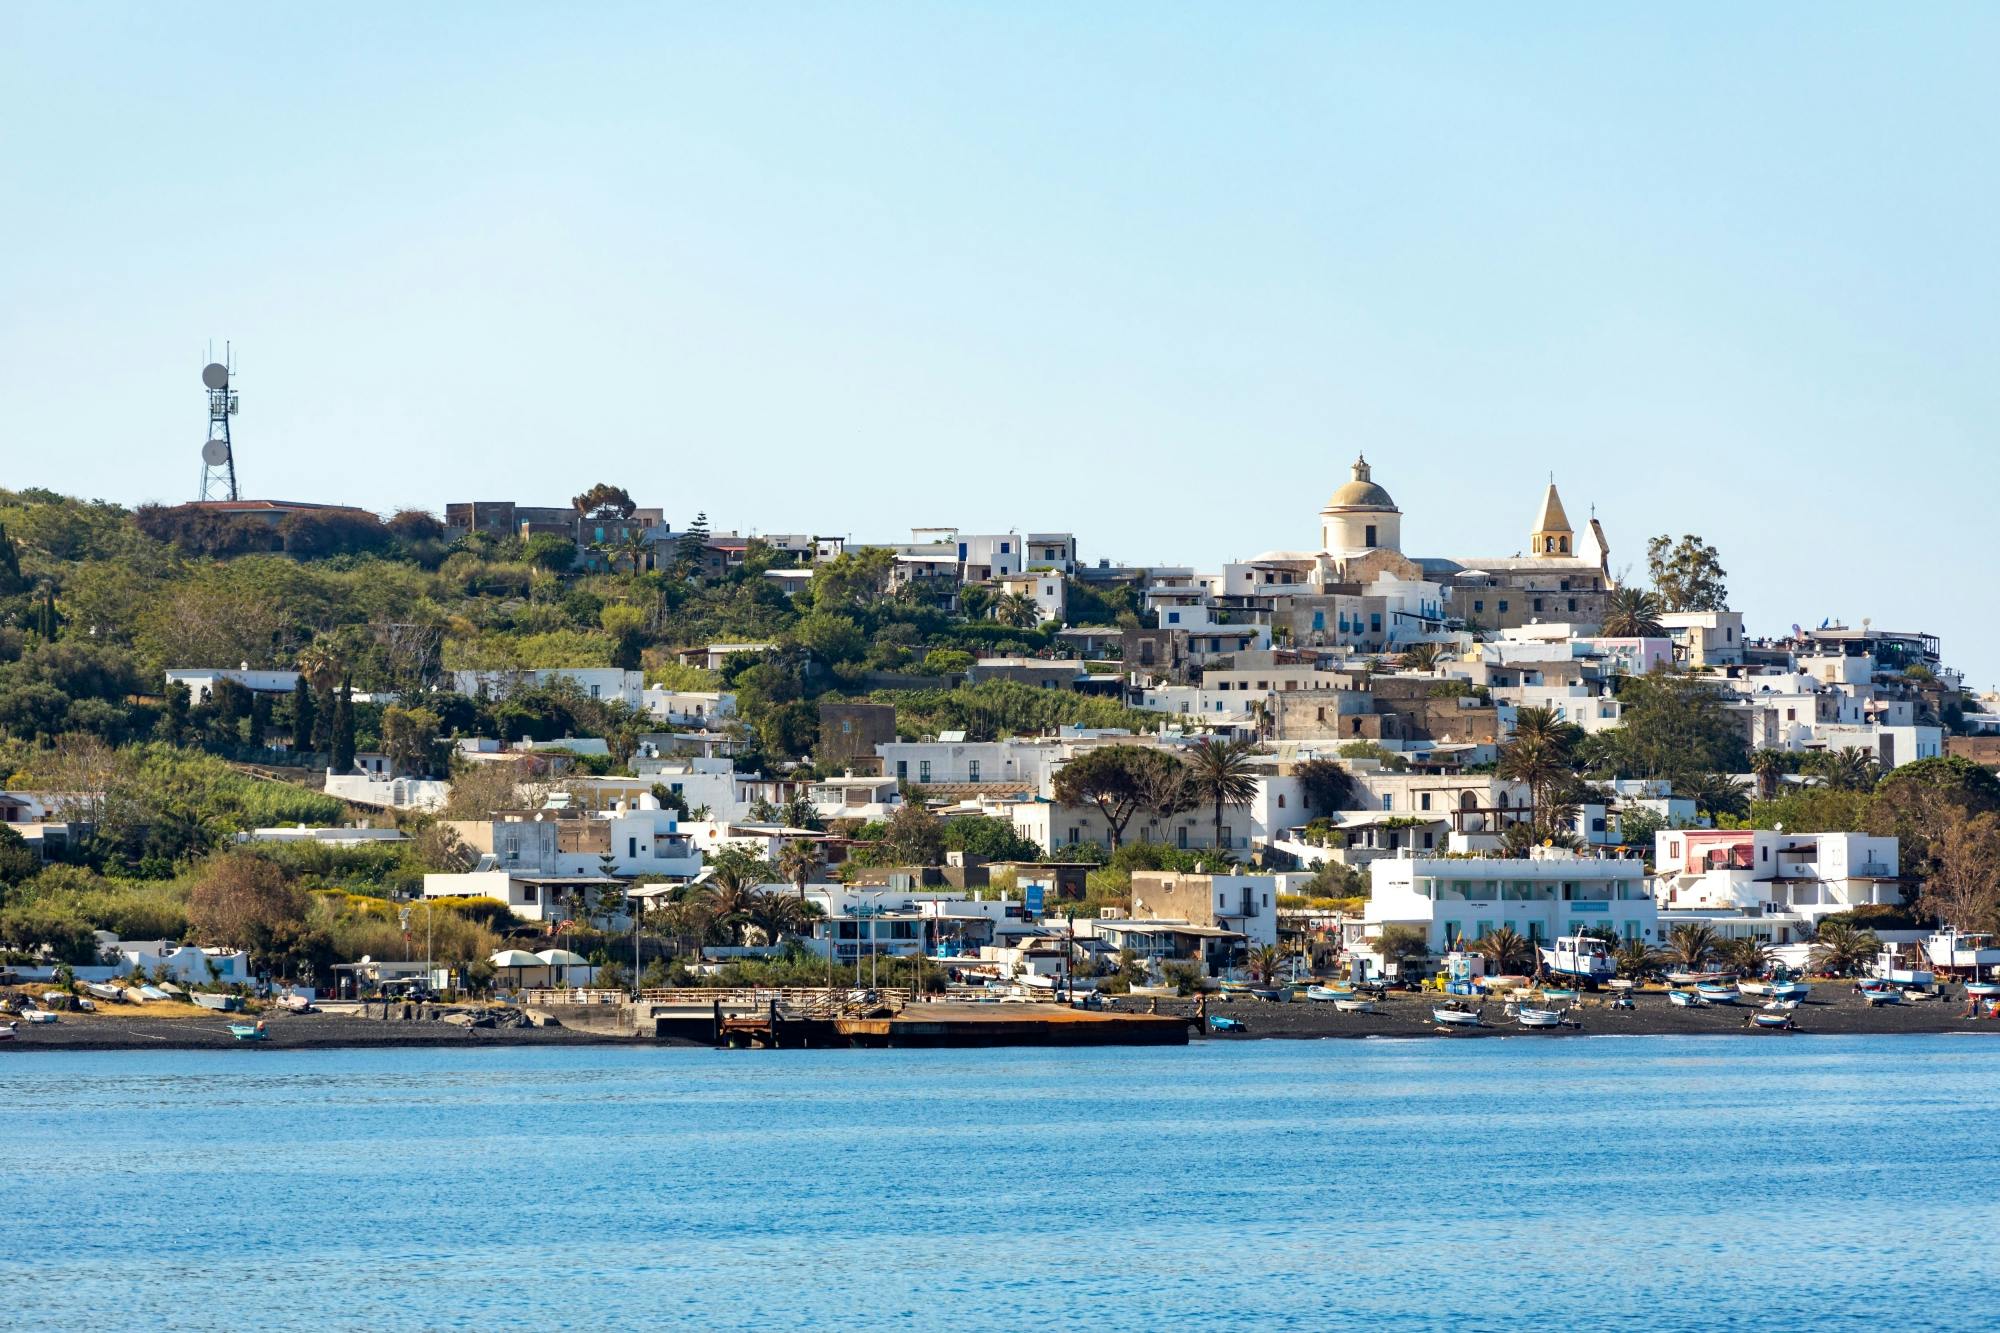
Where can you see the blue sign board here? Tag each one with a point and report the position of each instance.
(1032, 896)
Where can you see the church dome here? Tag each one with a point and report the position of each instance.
(1361, 493)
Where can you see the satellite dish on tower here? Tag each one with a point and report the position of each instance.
(215, 375)
(215, 453)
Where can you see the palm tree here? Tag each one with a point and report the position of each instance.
(1769, 768)
(1017, 609)
(1219, 773)
(1509, 952)
(797, 862)
(1849, 769)
(1540, 762)
(1747, 954)
(320, 663)
(800, 812)
(1422, 657)
(1633, 613)
(1719, 794)
(1264, 962)
(1840, 949)
(1692, 945)
(1637, 960)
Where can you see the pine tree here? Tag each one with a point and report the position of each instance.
(343, 727)
(302, 716)
(687, 553)
(49, 619)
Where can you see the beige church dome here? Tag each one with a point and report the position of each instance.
(1361, 493)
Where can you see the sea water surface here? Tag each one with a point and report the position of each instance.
(1629, 1182)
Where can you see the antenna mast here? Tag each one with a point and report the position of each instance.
(218, 456)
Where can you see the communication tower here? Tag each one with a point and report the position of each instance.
(218, 457)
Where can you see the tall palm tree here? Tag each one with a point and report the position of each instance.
(1769, 768)
(1634, 613)
(800, 812)
(797, 862)
(1539, 762)
(1693, 944)
(1219, 773)
(1507, 950)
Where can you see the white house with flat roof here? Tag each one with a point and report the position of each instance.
(1787, 880)
(1543, 896)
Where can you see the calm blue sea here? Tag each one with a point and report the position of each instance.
(1632, 1182)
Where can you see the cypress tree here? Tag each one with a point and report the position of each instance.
(302, 716)
(10, 566)
(48, 618)
(260, 717)
(343, 727)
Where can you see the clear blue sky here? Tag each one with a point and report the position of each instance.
(1150, 273)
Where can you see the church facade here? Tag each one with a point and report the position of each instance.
(1560, 577)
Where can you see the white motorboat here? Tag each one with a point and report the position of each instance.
(1756, 988)
(1354, 1004)
(1715, 993)
(1529, 1017)
(1332, 993)
(1457, 1018)
(103, 992)
(1686, 999)
(37, 1016)
(1883, 995)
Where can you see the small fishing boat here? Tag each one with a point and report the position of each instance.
(1716, 993)
(1224, 1023)
(1584, 957)
(1982, 990)
(1682, 977)
(1779, 1021)
(299, 1004)
(1354, 1004)
(7, 1032)
(37, 1016)
(1236, 987)
(1502, 984)
(1328, 993)
(151, 993)
(103, 992)
(172, 991)
(1457, 1018)
(1558, 994)
(1885, 995)
(1687, 999)
(1790, 990)
(227, 1004)
(1622, 983)
(1538, 1018)
(1754, 987)
(1780, 1006)
(248, 1031)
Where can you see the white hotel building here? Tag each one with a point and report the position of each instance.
(1547, 894)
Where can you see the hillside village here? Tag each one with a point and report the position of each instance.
(302, 742)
